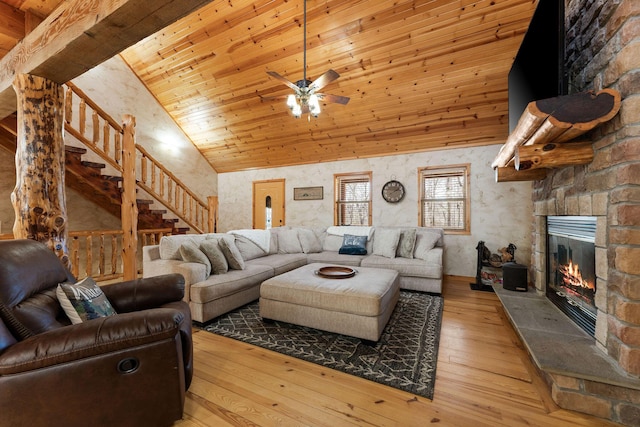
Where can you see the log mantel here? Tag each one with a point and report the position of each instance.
(553, 122)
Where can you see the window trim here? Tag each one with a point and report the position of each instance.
(465, 169)
(337, 179)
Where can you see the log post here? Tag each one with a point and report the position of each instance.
(129, 205)
(553, 155)
(212, 201)
(38, 198)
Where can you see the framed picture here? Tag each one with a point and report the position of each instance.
(308, 193)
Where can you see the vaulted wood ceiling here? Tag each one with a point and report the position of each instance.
(421, 75)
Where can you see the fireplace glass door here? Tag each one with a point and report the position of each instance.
(571, 281)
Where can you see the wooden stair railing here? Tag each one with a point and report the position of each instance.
(105, 139)
(98, 253)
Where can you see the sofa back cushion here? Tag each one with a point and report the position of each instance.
(288, 242)
(170, 245)
(427, 239)
(310, 240)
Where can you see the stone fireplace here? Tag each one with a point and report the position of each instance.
(602, 42)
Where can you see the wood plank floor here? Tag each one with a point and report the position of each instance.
(483, 378)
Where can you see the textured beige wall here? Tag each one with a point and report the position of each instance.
(155, 130)
(501, 213)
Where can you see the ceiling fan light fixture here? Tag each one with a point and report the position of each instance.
(296, 110)
(291, 101)
(314, 105)
(306, 97)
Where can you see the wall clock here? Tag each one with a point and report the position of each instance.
(393, 191)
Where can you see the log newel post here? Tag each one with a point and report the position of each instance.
(39, 199)
(129, 205)
(212, 201)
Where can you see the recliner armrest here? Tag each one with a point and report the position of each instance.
(91, 338)
(143, 294)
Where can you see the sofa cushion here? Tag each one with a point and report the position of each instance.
(407, 243)
(328, 257)
(170, 245)
(281, 263)
(426, 240)
(231, 253)
(385, 242)
(332, 243)
(211, 249)
(83, 301)
(233, 282)
(309, 241)
(192, 253)
(405, 266)
(288, 242)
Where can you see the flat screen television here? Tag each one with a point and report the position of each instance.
(538, 70)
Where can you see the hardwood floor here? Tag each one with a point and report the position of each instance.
(483, 378)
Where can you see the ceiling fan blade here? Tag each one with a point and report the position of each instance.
(333, 98)
(273, 98)
(283, 80)
(323, 80)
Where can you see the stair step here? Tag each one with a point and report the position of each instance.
(93, 164)
(158, 211)
(180, 230)
(72, 149)
(144, 201)
(112, 178)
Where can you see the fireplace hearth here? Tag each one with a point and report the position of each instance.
(571, 281)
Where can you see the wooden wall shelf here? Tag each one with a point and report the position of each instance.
(544, 137)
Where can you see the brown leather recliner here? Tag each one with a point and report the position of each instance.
(130, 369)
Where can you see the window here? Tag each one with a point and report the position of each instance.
(353, 199)
(445, 198)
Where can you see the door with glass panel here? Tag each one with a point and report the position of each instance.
(268, 204)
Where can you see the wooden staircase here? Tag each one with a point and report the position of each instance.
(104, 190)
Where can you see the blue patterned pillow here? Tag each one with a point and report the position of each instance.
(353, 245)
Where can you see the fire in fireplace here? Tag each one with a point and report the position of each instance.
(571, 280)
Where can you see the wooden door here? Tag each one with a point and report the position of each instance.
(268, 203)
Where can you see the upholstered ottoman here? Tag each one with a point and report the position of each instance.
(359, 306)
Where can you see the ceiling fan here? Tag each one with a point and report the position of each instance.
(306, 98)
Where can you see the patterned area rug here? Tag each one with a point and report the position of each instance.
(404, 358)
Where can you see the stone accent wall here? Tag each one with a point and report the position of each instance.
(603, 45)
(603, 51)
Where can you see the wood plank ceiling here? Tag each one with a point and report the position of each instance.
(421, 75)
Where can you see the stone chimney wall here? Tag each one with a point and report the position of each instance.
(603, 51)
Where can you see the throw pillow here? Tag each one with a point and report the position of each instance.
(425, 241)
(248, 248)
(353, 245)
(83, 301)
(309, 241)
(288, 242)
(385, 242)
(407, 243)
(191, 253)
(211, 249)
(231, 253)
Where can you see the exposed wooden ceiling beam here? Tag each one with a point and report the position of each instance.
(81, 34)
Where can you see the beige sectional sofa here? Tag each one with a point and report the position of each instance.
(253, 256)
